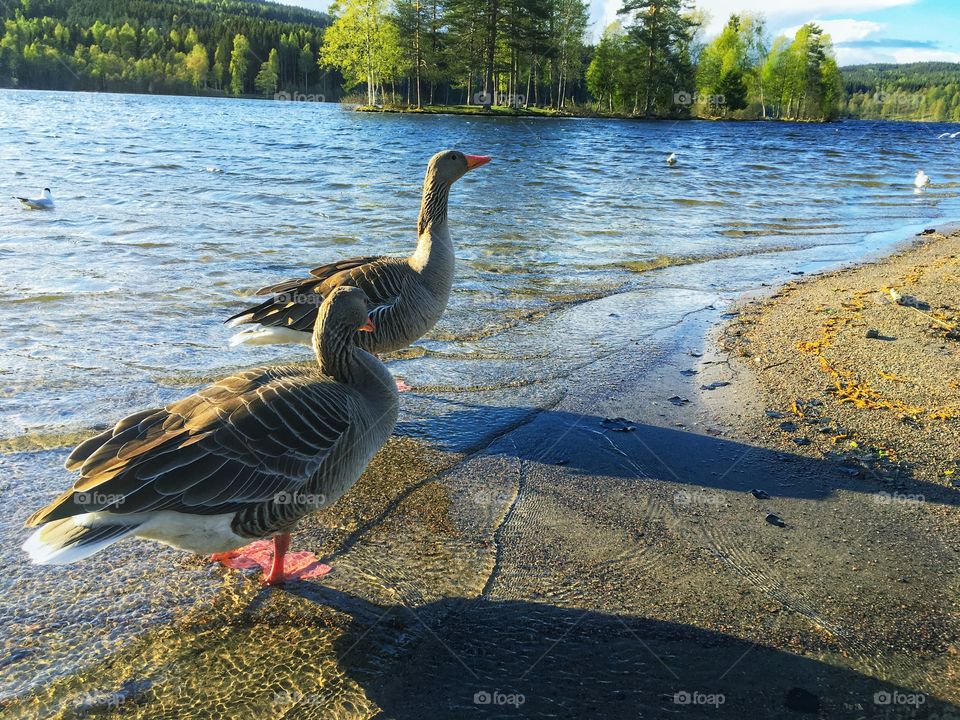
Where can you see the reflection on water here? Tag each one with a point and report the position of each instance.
(171, 211)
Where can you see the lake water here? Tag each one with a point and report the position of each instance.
(172, 211)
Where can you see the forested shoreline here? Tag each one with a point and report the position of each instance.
(529, 55)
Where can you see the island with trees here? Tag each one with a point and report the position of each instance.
(530, 56)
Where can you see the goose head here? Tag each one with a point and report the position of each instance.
(448, 166)
(342, 315)
(345, 310)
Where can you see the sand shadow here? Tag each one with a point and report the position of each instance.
(515, 659)
(618, 447)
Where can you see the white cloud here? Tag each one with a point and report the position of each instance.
(778, 14)
(842, 30)
(912, 55)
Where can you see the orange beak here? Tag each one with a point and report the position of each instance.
(474, 161)
(368, 326)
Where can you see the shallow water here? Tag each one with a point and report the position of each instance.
(172, 211)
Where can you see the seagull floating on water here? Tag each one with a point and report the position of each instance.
(43, 203)
(921, 179)
(672, 159)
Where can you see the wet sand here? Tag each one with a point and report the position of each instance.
(579, 543)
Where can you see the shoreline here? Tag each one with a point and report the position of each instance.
(599, 553)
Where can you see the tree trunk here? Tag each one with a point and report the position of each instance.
(491, 49)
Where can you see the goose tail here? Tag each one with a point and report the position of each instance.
(71, 539)
(271, 336)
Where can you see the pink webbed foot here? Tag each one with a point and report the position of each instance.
(402, 386)
(277, 564)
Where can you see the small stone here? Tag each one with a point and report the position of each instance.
(873, 333)
(775, 520)
(677, 400)
(760, 494)
(788, 426)
(774, 414)
(801, 441)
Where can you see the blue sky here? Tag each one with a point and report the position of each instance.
(862, 30)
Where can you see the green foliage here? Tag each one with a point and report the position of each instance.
(239, 62)
(269, 74)
(363, 44)
(150, 45)
(528, 53)
(917, 91)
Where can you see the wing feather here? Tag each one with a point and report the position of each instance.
(381, 278)
(233, 444)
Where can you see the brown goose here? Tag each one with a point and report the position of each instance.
(242, 459)
(408, 295)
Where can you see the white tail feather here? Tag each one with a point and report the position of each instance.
(44, 547)
(239, 320)
(271, 336)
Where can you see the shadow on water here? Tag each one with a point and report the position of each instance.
(519, 659)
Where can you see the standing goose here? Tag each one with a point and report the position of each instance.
(241, 459)
(408, 295)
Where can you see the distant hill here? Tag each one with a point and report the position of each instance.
(157, 45)
(916, 91)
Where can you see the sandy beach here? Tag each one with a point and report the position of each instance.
(605, 557)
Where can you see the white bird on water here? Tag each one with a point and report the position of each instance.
(43, 203)
(921, 179)
(672, 159)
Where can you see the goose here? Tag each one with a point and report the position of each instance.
(41, 203)
(921, 179)
(672, 159)
(242, 459)
(408, 295)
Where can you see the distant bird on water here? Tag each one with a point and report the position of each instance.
(43, 203)
(921, 179)
(243, 459)
(672, 159)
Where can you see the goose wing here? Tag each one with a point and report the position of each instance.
(233, 444)
(295, 302)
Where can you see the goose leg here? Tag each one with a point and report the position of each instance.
(402, 386)
(281, 543)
